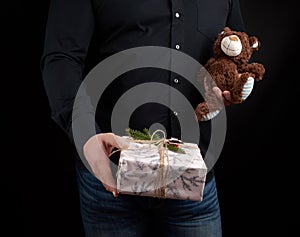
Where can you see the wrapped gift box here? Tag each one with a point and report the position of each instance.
(147, 170)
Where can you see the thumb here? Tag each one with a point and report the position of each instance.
(217, 91)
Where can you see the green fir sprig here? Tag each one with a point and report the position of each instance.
(175, 148)
(139, 135)
(146, 135)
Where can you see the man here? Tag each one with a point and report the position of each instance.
(82, 33)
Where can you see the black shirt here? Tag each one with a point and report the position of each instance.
(81, 33)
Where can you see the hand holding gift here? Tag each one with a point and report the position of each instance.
(97, 151)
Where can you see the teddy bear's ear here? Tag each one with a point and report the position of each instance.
(254, 43)
(226, 29)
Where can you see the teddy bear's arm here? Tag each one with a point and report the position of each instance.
(210, 62)
(257, 69)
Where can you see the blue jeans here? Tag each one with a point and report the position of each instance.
(139, 216)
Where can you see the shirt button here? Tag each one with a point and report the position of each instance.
(176, 80)
(177, 46)
(177, 14)
(175, 113)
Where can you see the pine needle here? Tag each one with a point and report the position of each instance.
(145, 135)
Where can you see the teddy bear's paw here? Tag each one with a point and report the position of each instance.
(210, 115)
(247, 88)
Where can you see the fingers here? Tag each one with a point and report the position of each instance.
(227, 98)
(121, 142)
(222, 95)
(225, 95)
(97, 150)
(113, 190)
(111, 141)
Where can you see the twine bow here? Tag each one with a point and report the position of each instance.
(162, 145)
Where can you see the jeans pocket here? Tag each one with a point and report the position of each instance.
(212, 16)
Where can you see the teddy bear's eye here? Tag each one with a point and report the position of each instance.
(255, 44)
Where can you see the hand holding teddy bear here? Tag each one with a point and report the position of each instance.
(232, 76)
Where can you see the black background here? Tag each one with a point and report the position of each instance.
(255, 172)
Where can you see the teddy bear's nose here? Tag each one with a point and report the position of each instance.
(234, 38)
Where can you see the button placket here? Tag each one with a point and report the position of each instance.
(177, 43)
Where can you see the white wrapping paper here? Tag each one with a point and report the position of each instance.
(141, 171)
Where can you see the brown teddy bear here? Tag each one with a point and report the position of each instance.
(229, 70)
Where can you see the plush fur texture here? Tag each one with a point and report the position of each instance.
(230, 70)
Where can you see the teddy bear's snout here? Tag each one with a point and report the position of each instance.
(231, 45)
(234, 38)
